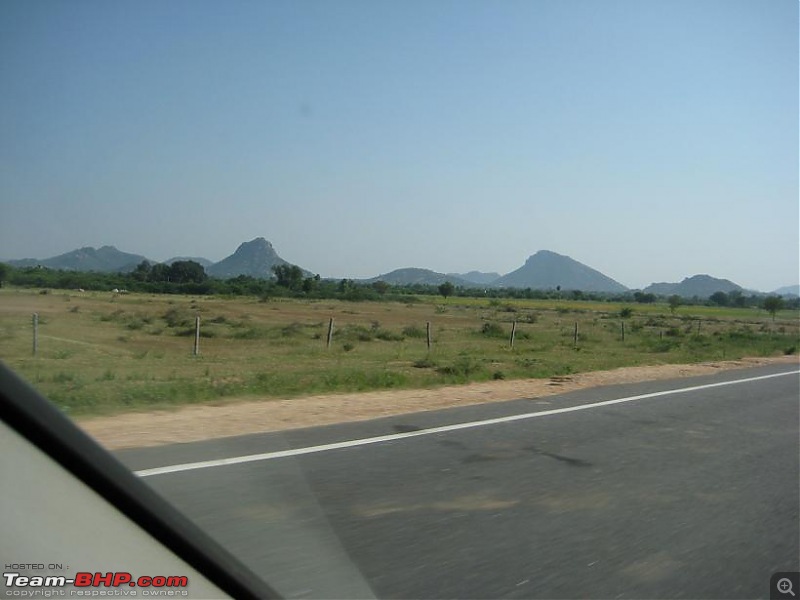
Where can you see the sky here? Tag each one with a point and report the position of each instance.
(649, 139)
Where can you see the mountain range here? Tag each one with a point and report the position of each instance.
(106, 259)
(543, 270)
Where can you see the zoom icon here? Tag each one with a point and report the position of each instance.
(784, 585)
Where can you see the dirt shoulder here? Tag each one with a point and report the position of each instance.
(195, 423)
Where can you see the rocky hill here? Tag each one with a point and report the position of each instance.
(104, 259)
(549, 270)
(255, 258)
(414, 276)
(701, 286)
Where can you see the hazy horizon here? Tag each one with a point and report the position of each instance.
(651, 141)
(369, 276)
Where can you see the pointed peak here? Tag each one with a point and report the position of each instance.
(258, 242)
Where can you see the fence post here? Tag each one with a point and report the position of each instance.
(575, 336)
(35, 333)
(330, 333)
(196, 349)
(623, 331)
(513, 331)
(428, 333)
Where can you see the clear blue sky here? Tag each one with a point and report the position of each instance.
(649, 139)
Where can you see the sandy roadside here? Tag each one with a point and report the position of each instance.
(194, 423)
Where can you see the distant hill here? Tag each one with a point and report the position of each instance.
(476, 277)
(199, 260)
(701, 286)
(788, 290)
(105, 259)
(413, 276)
(255, 258)
(549, 270)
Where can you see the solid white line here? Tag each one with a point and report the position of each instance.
(236, 460)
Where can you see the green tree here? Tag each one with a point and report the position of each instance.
(186, 271)
(674, 302)
(381, 287)
(736, 298)
(311, 284)
(446, 289)
(772, 304)
(5, 270)
(289, 276)
(719, 298)
(142, 271)
(159, 272)
(626, 312)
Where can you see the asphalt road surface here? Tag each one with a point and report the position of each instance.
(692, 494)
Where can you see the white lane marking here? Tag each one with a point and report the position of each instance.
(236, 460)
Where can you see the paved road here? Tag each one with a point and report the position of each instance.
(686, 495)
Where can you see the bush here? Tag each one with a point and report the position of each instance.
(490, 329)
(413, 331)
(249, 333)
(291, 330)
(463, 367)
(424, 363)
(388, 336)
(177, 318)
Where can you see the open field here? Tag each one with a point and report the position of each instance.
(104, 353)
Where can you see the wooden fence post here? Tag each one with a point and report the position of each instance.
(513, 331)
(330, 333)
(196, 349)
(575, 336)
(623, 331)
(428, 333)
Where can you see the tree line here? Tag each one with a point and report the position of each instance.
(189, 277)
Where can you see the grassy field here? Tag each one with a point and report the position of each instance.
(101, 352)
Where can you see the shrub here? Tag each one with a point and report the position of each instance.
(389, 336)
(490, 329)
(413, 331)
(249, 333)
(176, 318)
(291, 330)
(462, 367)
(424, 363)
